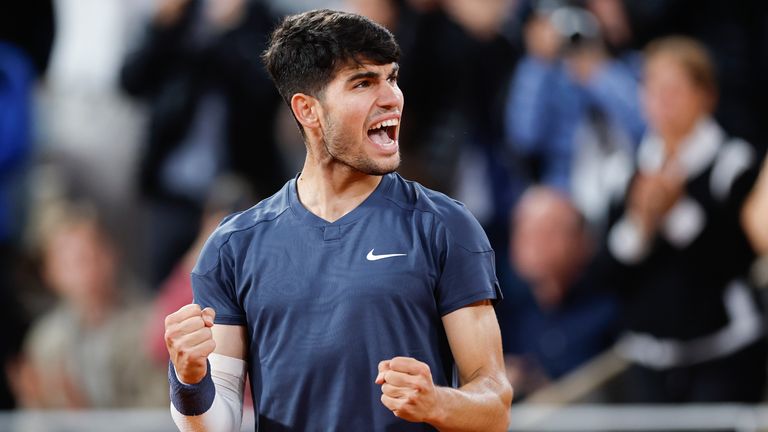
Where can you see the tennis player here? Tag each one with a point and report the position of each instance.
(352, 299)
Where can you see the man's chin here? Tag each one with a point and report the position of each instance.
(387, 169)
(371, 167)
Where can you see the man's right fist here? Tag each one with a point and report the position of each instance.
(189, 341)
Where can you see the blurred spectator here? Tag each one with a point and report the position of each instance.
(85, 124)
(736, 34)
(677, 251)
(86, 352)
(212, 110)
(572, 115)
(562, 319)
(228, 195)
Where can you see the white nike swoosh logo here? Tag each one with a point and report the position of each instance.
(372, 257)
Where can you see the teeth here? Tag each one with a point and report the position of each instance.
(385, 123)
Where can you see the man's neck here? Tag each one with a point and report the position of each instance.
(330, 189)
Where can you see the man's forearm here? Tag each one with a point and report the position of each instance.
(480, 405)
(226, 410)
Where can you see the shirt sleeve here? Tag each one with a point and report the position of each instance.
(468, 272)
(526, 124)
(214, 283)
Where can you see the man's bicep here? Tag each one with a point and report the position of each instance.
(230, 340)
(475, 340)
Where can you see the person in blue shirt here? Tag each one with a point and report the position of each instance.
(573, 117)
(352, 298)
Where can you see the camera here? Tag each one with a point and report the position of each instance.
(576, 25)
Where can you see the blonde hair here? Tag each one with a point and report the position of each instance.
(691, 55)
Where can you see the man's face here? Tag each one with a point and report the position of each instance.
(360, 121)
(547, 238)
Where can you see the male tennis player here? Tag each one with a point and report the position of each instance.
(351, 294)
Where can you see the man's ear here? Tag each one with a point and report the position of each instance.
(305, 108)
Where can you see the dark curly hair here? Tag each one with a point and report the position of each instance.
(306, 50)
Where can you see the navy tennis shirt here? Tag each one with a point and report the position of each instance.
(324, 302)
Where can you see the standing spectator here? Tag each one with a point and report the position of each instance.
(736, 35)
(572, 113)
(87, 128)
(212, 111)
(677, 251)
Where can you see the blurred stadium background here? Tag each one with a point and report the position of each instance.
(128, 129)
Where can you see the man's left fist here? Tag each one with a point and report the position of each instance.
(407, 389)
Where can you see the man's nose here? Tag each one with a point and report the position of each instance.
(390, 96)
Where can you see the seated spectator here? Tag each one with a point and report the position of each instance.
(563, 320)
(676, 250)
(86, 352)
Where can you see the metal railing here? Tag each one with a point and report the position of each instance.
(595, 418)
(525, 418)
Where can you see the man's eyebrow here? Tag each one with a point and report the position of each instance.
(373, 75)
(363, 75)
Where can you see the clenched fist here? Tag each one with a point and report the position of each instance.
(189, 341)
(407, 389)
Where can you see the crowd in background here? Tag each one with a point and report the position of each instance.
(612, 149)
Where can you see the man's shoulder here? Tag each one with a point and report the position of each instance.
(265, 211)
(450, 213)
(413, 195)
(239, 228)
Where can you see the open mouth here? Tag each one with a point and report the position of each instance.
(384, 133)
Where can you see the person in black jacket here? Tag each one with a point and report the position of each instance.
(677, 250)
(212, 111)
